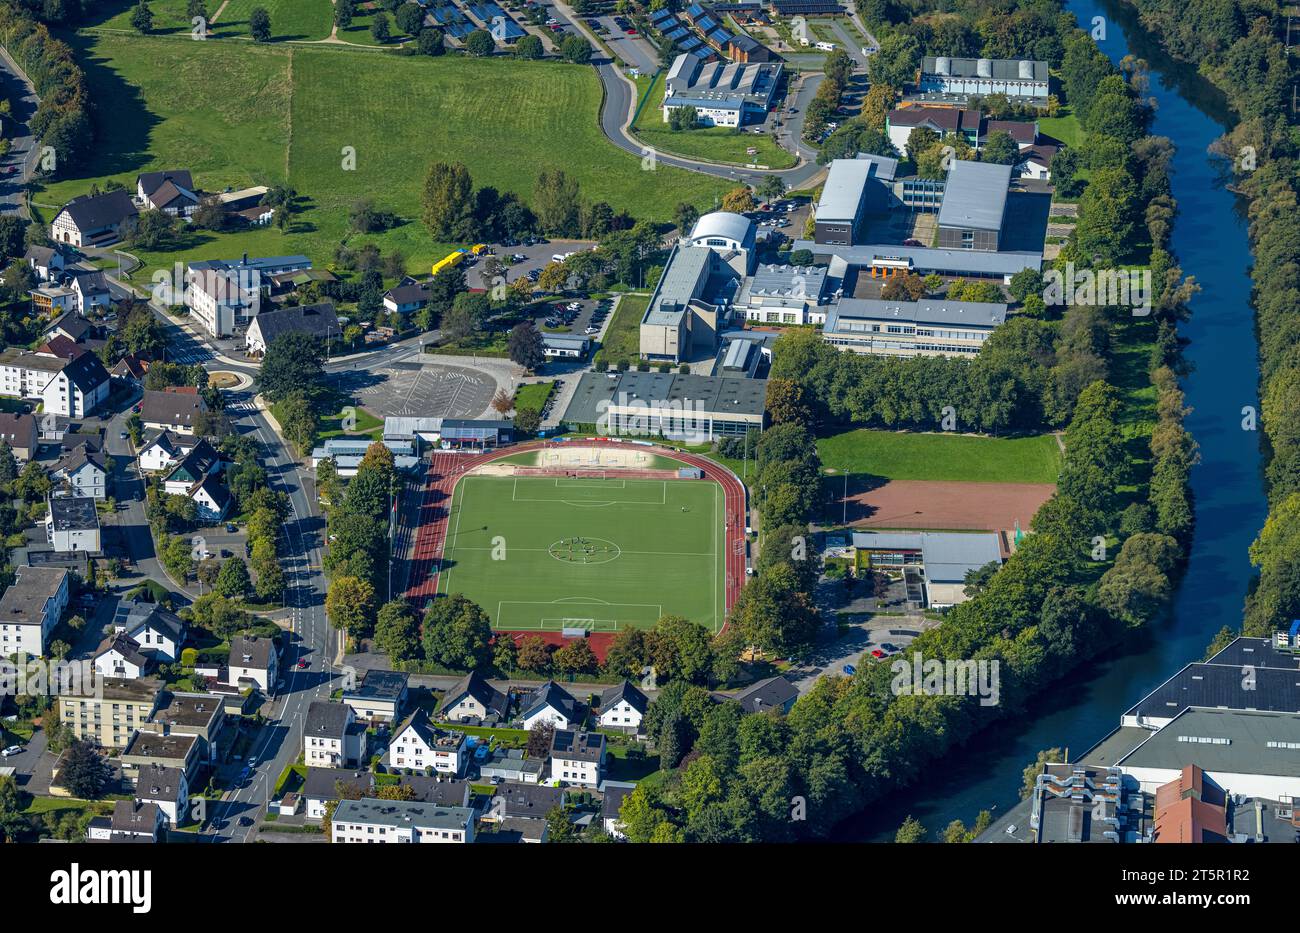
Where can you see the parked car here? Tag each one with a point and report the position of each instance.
(12, 750)
(245, 821)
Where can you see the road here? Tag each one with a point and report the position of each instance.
(620, 102)
(21, 160)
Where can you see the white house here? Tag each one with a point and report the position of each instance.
(164, 451)
(318, 321)
(95, 220)
(175, 409)
(135, 821)
(418, 744)
(72, 388)
(577, 757)
(212, 499)
(168, 788)
(45, 261)
(30, 609)
(623, 707)
(550, 703)
(255, 659)
(159, 633)
(331, 736)
(119, 655)
(72, 524)
(611, 804)
(472, 698)
(198, 464)
(170, 191)
(84, 471)
(401, 821)
(91, 290)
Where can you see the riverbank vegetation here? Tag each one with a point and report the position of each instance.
(1106, 549)
(1238, 46)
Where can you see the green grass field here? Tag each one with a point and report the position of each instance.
(653, 548)
(623, 335)
(240, 114)
(711, 143)
(943, 457)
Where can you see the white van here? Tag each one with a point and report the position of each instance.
(825, 47)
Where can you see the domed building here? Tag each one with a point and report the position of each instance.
(730, 235)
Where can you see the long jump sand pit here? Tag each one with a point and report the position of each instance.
(936, 505)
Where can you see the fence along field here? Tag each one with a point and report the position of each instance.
(553, 552)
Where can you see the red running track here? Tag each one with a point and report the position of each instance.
(446, 469)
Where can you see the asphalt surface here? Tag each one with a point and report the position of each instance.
(16, 167)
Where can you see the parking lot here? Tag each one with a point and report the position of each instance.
(421, 389)
(581, 317)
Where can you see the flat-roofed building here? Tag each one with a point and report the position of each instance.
(110, 715)
(676, 406)
(1023, 80)
(380, 697)
(853, 186)
(934, 564)
(932, 327)
(72, 525)
(1252, 753)
(784, 294)
(974, 205)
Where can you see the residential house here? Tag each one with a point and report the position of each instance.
(473, 699)
(30, 609)
(111, 711)
(73, 326)
(772, 693)
(524, 801)
(83, 472)
(19, 432)
(73, 388)
(92, 291)
(95, 220)
(174, 409)
(119, 656)
(318, 321)
(170, 191)
(331, 736)
(419, 744)
(167, 788)
(72, 525)
(45, 261)
(398, 821)
(164, 449)
(130, 368)
(322, 786)
(212, 499)
(225, 295)
(202, 715)
(380, 697)
(198, 464)
(1036, 161)
(159, 633)
(550, 703)
(136, 821)
(52, 299)
(578, 757)
(407, 297)
(623, 707)
(254, 658)
(611, 804)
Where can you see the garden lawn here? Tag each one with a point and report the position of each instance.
(533, 395)
(240, 114)
(942, 457)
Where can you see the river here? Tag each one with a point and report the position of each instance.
(1209, 239)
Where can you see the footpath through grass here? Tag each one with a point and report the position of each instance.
(900, 455)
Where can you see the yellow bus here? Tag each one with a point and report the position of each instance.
(478, 249)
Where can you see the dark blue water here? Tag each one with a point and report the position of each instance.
(1209, 239)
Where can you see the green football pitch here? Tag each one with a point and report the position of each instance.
(602, 554)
